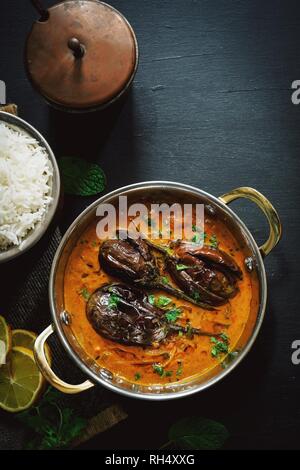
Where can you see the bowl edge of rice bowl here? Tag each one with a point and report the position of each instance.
(29, 186)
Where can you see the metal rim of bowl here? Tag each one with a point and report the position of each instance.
(219, 376)
(41, 227)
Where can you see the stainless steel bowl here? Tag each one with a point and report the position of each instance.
(34, 235)
(161, 191)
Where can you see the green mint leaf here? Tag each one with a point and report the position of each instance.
(81, 177)
(198, 433)
(72, 426)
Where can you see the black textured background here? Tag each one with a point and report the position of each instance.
(210, 106)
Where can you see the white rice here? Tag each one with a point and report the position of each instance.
(25, 185)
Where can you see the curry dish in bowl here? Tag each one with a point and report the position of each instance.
(158, 317)
(142, 332)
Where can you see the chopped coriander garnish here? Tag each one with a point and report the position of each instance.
(189, 331)
(94, 243)
(158, 369)
(82, 241)
(224, 337)
(219, 347)
(180, 333)
(173, 314)
(113, 301)
(214, 241)
(165, 280)
(199, 236)
(85, 293)
(163, 301)
(196, 238)
(181, 267)
(137, 376)
(196, 296)
(54, 426)
(179, 369)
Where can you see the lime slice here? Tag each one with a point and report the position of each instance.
(26, 339)
(20, 380)
(5, 340)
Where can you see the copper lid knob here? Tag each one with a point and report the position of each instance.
(76, 47)
(81, 54)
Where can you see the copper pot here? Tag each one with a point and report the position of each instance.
(81, 55)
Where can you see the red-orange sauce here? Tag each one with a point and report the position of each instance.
(180, 357)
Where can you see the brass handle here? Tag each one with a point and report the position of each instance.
(267, 208)
(46, 370)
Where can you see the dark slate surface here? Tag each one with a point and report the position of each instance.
(210, 107)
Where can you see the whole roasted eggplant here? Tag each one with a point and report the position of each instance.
(204, 272)
(124, 314)
(131, 260)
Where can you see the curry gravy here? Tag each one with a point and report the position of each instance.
(180, 357)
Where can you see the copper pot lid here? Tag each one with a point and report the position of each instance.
(81, 54)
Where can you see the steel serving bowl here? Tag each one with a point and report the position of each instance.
(161, 191)
(41, 227)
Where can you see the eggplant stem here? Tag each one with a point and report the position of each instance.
(161, 248)
(181, 295)
(172, 290)
(191, 330)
